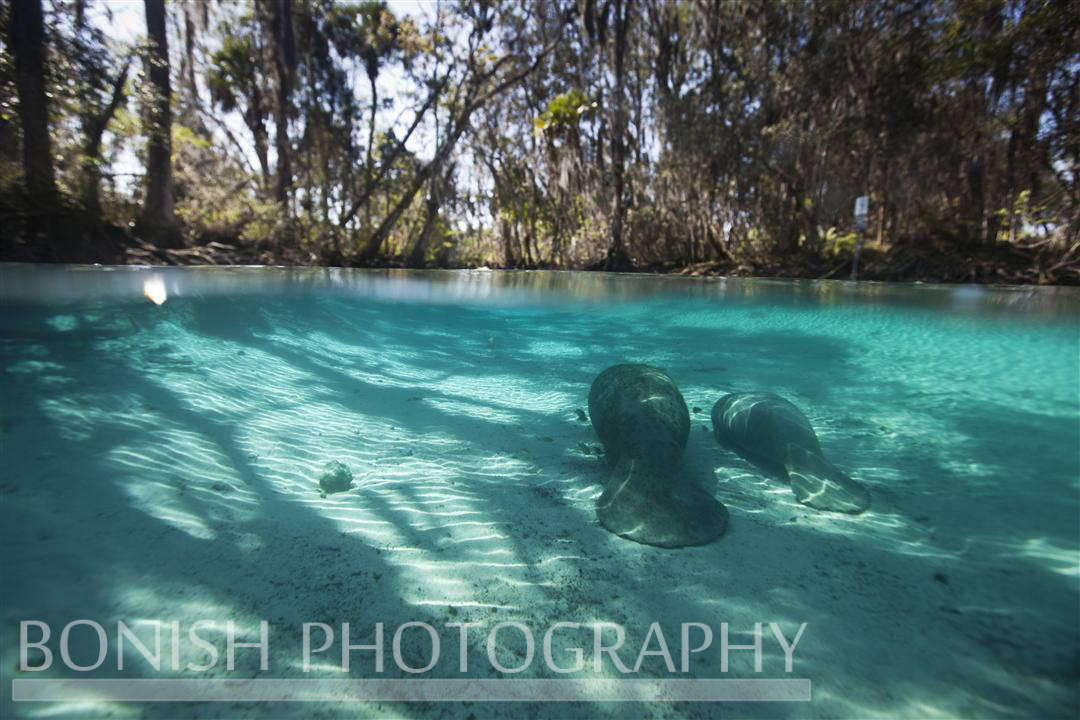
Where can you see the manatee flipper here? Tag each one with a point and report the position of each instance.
(635, 507)
(821, 485)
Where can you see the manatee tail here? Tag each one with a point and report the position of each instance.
(657, 506)
(821, 485)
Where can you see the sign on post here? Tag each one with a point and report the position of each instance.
(862, 209)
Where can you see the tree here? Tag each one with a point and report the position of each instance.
(98, 91)
(378, 39)
(157, 220)
(485, 80)
(94, 125)
(617, 258)
(237, 84)
(26, 38)
(279, 17)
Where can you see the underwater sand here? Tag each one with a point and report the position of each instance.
(160, 462)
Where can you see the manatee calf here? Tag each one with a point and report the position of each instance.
(773, 434)
(642, 420)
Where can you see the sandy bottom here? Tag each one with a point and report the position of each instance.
(159, 463)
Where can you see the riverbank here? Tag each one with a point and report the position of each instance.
(70, 237)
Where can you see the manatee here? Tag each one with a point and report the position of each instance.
(773, 434)
(642, 421)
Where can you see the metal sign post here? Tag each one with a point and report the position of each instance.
(862, 208)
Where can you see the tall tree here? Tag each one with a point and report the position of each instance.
(484, 82)
(379, 32)
(283, 51)
(237, 84)
(617, 258)
(26, 38)
(157, 220)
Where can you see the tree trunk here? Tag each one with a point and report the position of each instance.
(507, 242)
(189, 59)
(371, 129)
(378, 237)
(284, 54)
(191, 105)
(617, 258)
(419, 249)
(26, 28)
(257, 124)
(157, 220)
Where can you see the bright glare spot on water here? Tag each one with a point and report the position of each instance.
(154, 290)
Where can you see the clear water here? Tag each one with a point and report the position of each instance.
(159, 462)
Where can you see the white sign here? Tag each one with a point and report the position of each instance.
(862, 208)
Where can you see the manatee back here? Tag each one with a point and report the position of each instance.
(760, 426)
(638, 412)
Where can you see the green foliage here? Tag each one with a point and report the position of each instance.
(564, 111)
(183, 136)
(233, 67)
(838, 241)
(368, 31)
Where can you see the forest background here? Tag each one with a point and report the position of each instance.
(695, 136)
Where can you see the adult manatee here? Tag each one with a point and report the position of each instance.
(641, 418)
(773, 434)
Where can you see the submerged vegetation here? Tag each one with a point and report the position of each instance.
(681, 135)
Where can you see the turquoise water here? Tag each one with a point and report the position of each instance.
(160, 463)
